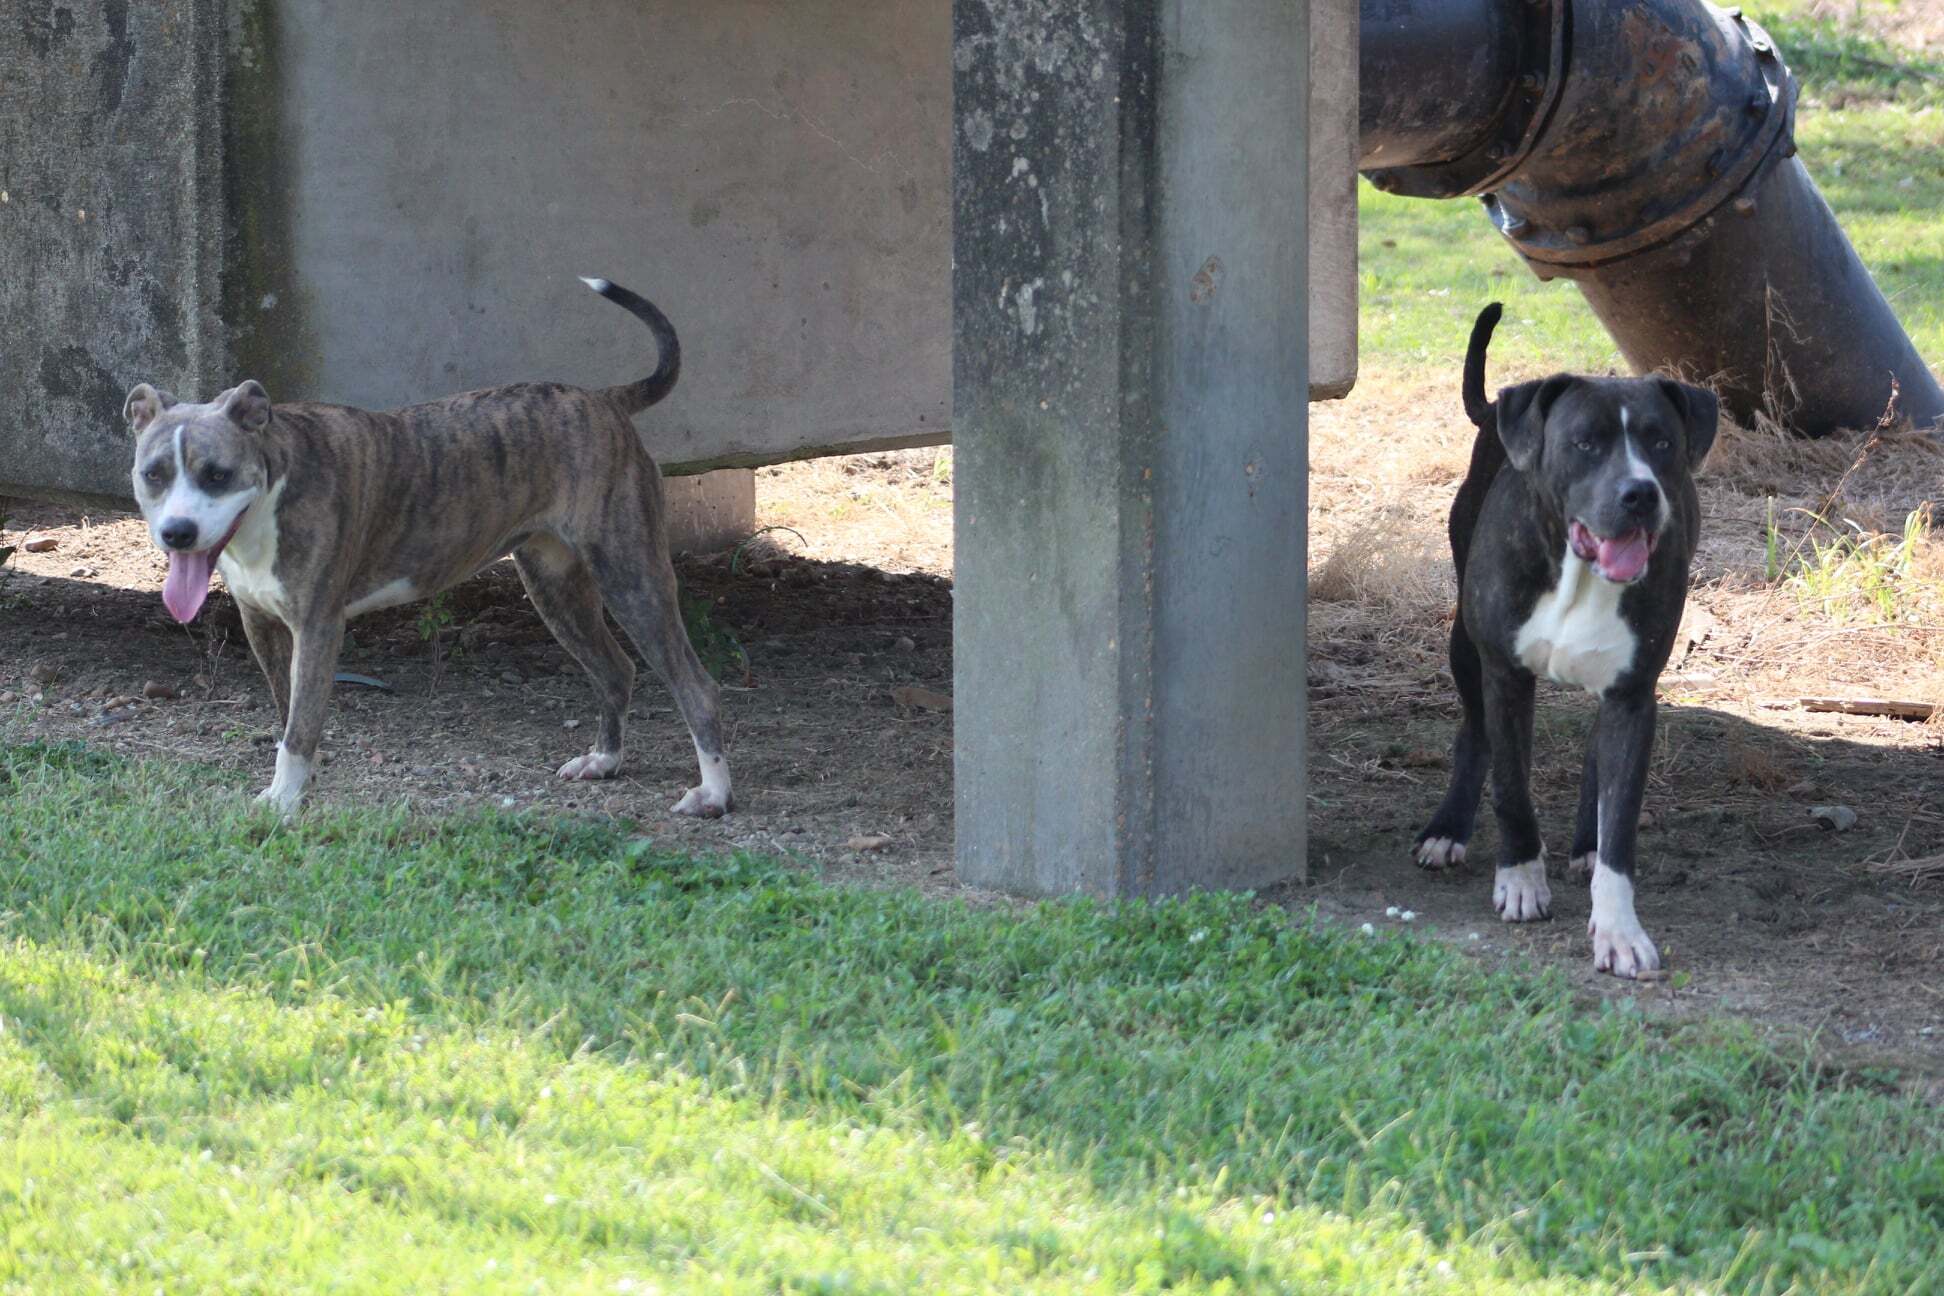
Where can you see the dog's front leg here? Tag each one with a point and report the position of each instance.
(270, 645)
(1625, 740)
(313, 663)
(1519, 890)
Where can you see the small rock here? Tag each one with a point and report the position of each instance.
(868, 842)
(82, 571)
(914, 695)
(8, 696)
(157, 691)
(44, 673)
(1839, 818)
(1804, 790)
(905, 643)
(570, 724)
(511, 677)
(40, 542)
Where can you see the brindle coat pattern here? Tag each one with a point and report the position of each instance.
(377, 508)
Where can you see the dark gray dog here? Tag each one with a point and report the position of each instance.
(317, 513)
(1572, 535)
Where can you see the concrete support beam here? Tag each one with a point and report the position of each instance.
(710, 511)
(1130, 389)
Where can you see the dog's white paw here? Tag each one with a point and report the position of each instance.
(286, 803)
(594, 765)
(1581, 866)
(286, 790)
(1619, 944)
(1440, 852)
(1520, 893)
(700, 803)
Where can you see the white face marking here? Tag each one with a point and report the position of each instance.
(387, 595)
(1576, 634)
(212, 515)
(1639, 467)
(1620, 946)
(1520, 893)
(286, 790)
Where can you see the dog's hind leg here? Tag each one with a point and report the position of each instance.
(1442, 843)
(563, 592)
(637, 580)
(1586, 825)
(1519, 890)
(271, 646)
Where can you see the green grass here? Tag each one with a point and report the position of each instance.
(1858, 576)
(1427, 267)
(497, 1053)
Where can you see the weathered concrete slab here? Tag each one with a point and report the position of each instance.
(110, 150)
(1129, 296)
(773, 176)
(375, 203)
(710, 511)
(1333, 150)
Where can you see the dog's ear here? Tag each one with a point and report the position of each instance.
(1700, 412)
(143, 406)
(247, 405)
(1522, 414)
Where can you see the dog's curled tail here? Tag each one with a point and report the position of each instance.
(1477, 408)
(638, 396)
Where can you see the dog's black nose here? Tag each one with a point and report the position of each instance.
(1640, 496)
(179, 533)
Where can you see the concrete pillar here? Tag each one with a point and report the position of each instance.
(1130, 379)
(710, 511)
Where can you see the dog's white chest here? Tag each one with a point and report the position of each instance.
(1576, 634)
(249, 560)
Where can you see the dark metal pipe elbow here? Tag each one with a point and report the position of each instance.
(1648, 154)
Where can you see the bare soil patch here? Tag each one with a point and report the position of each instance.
(842, 755)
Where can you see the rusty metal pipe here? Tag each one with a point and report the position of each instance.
(1645, 149)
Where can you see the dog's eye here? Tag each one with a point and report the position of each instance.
(217, 477)
(1585, 447)
(153, 476)
(1663, 444)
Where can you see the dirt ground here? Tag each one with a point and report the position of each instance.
(826, 621)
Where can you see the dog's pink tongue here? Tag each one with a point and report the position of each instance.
(1624, 558)
(187, 584)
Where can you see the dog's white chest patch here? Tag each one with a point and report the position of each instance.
(249, 561)
(1576, 634)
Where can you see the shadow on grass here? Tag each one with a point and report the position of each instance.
(1206, 1046)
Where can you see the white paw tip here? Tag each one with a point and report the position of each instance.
(1520, 893)
(1440, 852)
(697, 803)
(594, 765)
